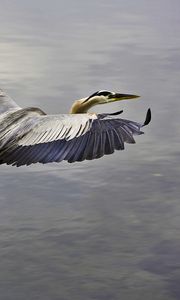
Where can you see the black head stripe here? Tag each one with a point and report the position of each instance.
(94, 94)
(104, 93)
(99, 93)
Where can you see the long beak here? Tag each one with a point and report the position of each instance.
(119, 97)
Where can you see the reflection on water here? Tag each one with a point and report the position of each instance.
(106, 229)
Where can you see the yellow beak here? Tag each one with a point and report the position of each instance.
(119, 97)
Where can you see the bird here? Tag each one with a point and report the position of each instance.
(29, 135)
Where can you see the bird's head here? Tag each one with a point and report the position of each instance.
(100, 97)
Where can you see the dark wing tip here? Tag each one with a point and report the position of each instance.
(103, 115)
(116, 113)
(148, 118)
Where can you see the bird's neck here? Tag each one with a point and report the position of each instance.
(80, 107)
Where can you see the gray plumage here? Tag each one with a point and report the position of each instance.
(28, 135)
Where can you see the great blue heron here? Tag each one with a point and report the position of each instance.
(29, 135)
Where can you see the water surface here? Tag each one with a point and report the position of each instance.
(106, 229)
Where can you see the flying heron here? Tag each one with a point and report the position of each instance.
(29, 135)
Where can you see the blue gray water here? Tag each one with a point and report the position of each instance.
(109, 228)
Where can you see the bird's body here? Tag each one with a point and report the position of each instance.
(29, 135)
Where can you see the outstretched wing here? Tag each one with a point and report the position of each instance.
(35, 137)
(6, 103)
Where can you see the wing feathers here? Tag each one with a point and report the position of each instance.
(6, 103)
(32, 138)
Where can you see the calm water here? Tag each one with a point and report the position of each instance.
(106, 229)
